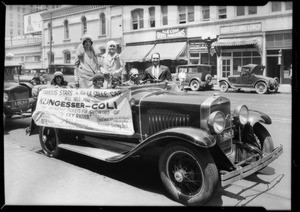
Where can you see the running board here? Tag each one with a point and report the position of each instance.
(101, 154)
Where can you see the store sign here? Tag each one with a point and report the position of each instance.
(171, 33)
(198, 46)
(241, 28)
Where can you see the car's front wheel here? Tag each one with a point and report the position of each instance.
(49, 141)
(195, 85)
(223, 86)
(261, 88)
(189, 176)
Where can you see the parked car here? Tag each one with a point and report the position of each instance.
(28, 74)
(251, 76)
(199, 142)
(197, 76)
(17, 98)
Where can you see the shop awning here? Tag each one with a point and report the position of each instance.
(136, 53)
(169, 51)
(234, 43)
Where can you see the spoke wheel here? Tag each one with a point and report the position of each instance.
(223, 86)
(195, 85)
(49, 141)
(189, 176)
(261, 88)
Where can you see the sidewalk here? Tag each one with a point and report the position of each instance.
(283, 88)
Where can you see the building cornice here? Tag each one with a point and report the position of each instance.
(70, 10)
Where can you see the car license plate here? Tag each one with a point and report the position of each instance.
(226, 135)
(19, 103)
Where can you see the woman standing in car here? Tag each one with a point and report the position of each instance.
(86, 64)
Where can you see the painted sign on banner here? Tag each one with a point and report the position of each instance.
(171, 33)
(96, 110)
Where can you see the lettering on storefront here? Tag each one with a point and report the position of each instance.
(171, 33)
(241, 28)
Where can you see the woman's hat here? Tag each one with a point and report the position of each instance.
(58, 73)
(86, 37)
(111, 43)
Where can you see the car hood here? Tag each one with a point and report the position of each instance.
(174, 98)
(10, 85)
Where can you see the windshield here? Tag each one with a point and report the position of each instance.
(11, 73)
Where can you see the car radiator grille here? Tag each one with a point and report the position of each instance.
(159, 120)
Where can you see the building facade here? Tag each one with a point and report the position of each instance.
(226, 37)
(68, 24)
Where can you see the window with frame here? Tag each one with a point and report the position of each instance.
(137, 19)
(244, 58)
(252, 10)
(186, 14)
(67, 57)
(164, 13)
(240, 10)
(102, 24)
(83, 25)
(276, 6)
(152, 17)
(205, 13)
(194, 57)
(66, 29)
(222, 12)
(288, 5)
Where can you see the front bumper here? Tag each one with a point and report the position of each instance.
(242, 172)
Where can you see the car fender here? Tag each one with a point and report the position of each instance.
(194, 136)
(226, 80)
(27, 84)
(261, 80)
(257, 116)
(195, 78)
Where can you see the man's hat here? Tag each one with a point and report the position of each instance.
(98, 76)
(133, 71)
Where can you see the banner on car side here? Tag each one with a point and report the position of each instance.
(95, 110)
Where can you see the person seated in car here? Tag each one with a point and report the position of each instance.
(58, 80)
(157, 72)
(133, 78)
(116, 81)
(35, 81)
(98, 81)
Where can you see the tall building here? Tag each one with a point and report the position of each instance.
(14, 25)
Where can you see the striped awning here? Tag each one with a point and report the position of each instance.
(170, 51)
(227, 43)
(136, 53)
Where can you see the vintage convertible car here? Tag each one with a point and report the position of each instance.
(251, 77)
(199, 142)
(17, 98)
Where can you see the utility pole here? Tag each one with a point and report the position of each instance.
(50, 39)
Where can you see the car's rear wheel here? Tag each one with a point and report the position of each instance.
(223, 86)
(49, 141)
(261, 88)
(195, 85)
(189, 176)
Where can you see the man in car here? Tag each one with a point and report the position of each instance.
(157, 72)
(133, 78)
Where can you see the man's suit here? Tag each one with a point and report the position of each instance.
(164, 73)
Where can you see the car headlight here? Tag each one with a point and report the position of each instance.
(5, 97)
(241, 113)
(216, 121)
